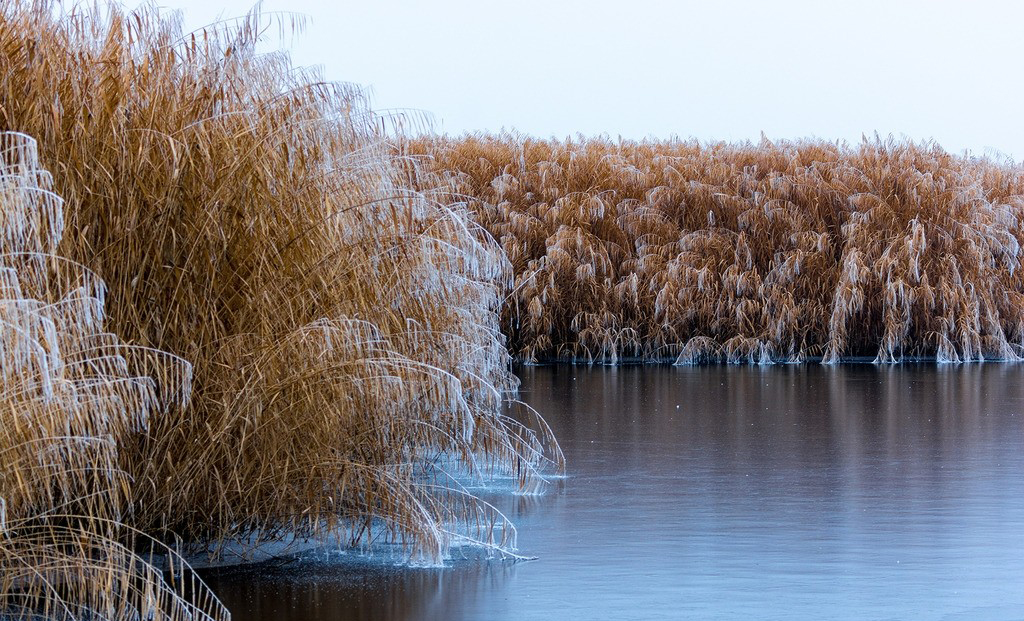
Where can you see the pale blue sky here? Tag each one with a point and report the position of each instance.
(951, 71)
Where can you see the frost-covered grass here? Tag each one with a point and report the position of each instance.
(770, 252)
(251, 219)
(71, 396)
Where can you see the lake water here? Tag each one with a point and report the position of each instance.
(789, 492)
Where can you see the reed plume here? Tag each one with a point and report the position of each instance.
(755, 253)
(348, 367)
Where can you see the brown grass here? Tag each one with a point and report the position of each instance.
(772, 252)
(250, 218)
(70, 396)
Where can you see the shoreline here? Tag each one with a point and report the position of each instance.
(856, 360)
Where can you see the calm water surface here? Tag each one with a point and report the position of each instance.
(795, 492)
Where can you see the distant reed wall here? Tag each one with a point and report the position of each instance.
(752, 253)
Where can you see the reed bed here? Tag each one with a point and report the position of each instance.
(349, 372)
(747, 253)
(71, 394)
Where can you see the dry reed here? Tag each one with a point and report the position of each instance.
(773, 252)
(246, 216)
(70, 395)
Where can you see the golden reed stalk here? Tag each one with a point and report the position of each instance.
(71, 395)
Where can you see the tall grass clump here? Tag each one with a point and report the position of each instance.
(767, 252)
(71, 394)
(348, 367)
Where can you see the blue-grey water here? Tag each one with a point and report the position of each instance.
(791, 492)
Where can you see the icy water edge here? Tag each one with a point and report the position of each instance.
(787, 492)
